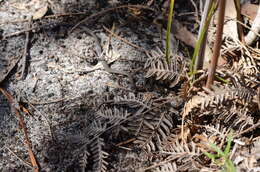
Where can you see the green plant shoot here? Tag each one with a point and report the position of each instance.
(228, 164)
(198, 43)
(168, 33)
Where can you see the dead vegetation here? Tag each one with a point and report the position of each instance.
(166, 123)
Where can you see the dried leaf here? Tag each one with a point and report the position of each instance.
(40, 12)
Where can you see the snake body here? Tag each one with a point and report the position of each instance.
(102, 64)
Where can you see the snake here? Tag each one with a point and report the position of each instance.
(102, 64)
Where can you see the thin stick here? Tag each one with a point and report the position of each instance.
(25, 54)
(18, 33)
(109, 10)
(46, 17)
(12, 152)
(15, 105)
(4, 77)
(258, 98)
(47, 120)
(124, 40)
(241, 35)
(217, 45)
(257, 125)
(196, 10)
(126, 142)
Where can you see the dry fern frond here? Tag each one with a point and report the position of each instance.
(150, 128)
(132, 100)
(217, 130)
(98, 155)
(215, 102)
(167, 167)
(218, 97)
(112, 116)
(157, 66)
(237, 117)
(174, 137)
(246, 160)
(179, 150)
(96, 128)
(240, 80)
(183, 91)
(179, 157)
(83, 162)
(245, 59)
(211, 134)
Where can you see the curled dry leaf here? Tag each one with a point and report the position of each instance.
(40, 12)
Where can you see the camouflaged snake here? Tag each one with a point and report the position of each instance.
(102, 63)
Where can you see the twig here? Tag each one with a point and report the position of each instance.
(46, 17)
(25, 54)
(108, 10)
(52, 101)
(196, 10)
(185, 14)
(18, 33)
(248, 129)
(217, 45)
(244, 25)
(33, 28)
(126, 142)
(12, 152)
(15, 105)
(4, 77)
(125, 41)
(258, 98)
(171, 158)
(47, 120)
(239, 18)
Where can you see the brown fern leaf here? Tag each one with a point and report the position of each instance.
(181, 150)
(239, 79)
(112, 116)
(216, 98)
(158, 67)
(183, 91)
(211, 134)
(98, 155)
(166, 167)
(183, 154)
(83, 162)
(248, 63)
(246, 160)
(132, 100)
(150, 128)
(237, 117)
(96, 128)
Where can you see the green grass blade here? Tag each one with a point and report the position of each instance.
(211, 156)
(230, 166)
(168, 33)
(198, 43)
(217, 149)
(227, 149)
